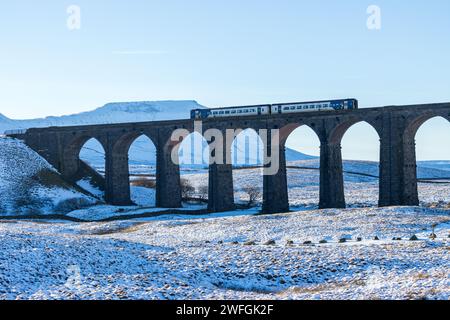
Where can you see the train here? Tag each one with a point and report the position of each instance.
(273, 109)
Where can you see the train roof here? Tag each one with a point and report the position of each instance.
(237, 107)
(276, 104)
(303, 102)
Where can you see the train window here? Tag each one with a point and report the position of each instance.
(233, 112)
(221, 112)
(286, 108)
(227, 112)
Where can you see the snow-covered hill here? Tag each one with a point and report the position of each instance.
(30, 186)
(119, 112)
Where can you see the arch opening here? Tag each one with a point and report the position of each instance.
(142, 170)
(361, 164)
(247, 158)
(194, 164)
(90, 174)
(302, 155)
(433, 161)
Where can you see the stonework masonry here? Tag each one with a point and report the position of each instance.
(395, 125)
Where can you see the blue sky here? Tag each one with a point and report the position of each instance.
(225, 53)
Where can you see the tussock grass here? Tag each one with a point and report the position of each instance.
(144, 182)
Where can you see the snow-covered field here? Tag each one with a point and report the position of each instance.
(234, 255)
(231, 257)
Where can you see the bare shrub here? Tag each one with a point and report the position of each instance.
(187, 190)
(253, 194)
(203, 193)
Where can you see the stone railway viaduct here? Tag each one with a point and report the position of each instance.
(395, 125)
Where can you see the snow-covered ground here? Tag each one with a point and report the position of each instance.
(233, 255)
(29, 185)
(230, 257)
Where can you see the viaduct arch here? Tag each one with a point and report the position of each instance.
(395, 125)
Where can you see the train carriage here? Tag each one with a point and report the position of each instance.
(333, 105)
(231, 112)
(282, 108)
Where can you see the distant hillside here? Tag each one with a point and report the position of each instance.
(119, 112)
(425, 169)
